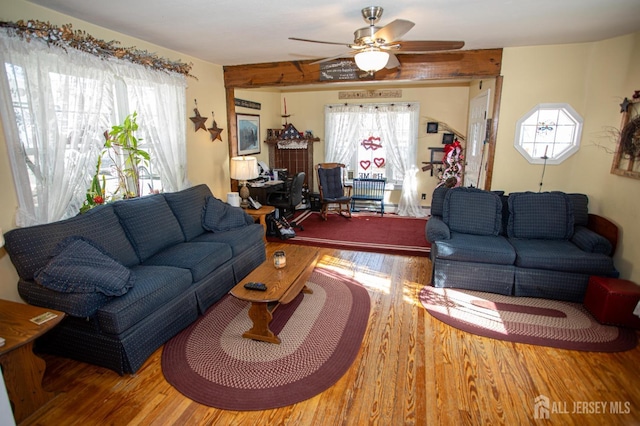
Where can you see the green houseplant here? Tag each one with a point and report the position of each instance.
(122, 148)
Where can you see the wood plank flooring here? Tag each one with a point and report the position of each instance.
(412, 370)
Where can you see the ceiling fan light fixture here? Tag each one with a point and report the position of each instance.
(371, 60)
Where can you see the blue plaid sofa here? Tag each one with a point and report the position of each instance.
(523, 244)
(132, 274)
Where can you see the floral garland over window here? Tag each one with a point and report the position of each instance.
(65, 37)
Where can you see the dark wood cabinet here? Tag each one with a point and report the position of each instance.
(295, 155)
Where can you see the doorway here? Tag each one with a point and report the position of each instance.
(476, 144)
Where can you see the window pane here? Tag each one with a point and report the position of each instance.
(553, 129)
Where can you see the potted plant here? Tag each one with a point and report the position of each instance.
(96, 192)
(121, 146)
(121, 142)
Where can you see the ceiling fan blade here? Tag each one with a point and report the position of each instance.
(394, 31)
(428, 46)
(342, 55)
(317, 41)
(393, 62)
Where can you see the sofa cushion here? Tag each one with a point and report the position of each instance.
(79, 265)
(473, 211)
(239, 239)
(560, 255)
(156, 286)
(475, 248)
(219, 216)
(546, 215)
(580, 203)
(187, 206)
(437, 201)
(199, 258)
(149, 224)
(30, 248)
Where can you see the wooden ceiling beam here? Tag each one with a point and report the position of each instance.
(419, 67)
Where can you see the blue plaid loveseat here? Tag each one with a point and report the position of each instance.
(132, 274)
(523, 244)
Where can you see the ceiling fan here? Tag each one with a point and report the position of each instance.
(375, 48)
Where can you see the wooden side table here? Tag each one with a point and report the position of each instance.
(260, 215)
(22, 370)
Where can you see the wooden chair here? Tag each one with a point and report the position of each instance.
(333, 193)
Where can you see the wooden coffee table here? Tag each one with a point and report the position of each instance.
(283, 285)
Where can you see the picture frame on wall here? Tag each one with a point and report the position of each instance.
(447, 138)
(248, 128)
(432, 127)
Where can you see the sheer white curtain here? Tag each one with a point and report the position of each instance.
(55, 105)
(341, 126)
(159, 98)
(397, 124)
(399, 127)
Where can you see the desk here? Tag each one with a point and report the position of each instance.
(22, 370)
(261, 193)
(261, 214)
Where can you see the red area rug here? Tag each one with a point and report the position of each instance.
(211, 363)
(363, 232)
(529, 320)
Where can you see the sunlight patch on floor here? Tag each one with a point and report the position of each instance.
(372, 280)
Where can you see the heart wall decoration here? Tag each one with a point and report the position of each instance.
(371, 143)
(365, 164)
(379, 162)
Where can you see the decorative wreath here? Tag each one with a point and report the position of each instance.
(630, 138)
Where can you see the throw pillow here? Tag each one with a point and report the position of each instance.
(218, 216)
(79, 265)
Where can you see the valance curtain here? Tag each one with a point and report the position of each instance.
(346, 125)
(56, 104)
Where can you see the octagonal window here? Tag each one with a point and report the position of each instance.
(548, 130)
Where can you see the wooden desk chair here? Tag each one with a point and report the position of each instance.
(332, 189)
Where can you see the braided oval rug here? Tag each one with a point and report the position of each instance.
(321, 333)
(535, 321)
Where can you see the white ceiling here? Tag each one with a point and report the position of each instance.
(233, 32)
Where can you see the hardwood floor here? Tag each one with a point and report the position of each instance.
(412, 369)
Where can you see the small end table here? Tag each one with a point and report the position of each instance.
(22, 370)
(260, 216)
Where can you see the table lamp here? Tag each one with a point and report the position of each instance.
(243, 169)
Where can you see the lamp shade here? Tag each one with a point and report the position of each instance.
(371, 60)
(244, 168)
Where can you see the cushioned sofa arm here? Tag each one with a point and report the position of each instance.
(437, 230)
(589, 241)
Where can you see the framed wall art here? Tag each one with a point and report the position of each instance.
(248, 126)
(447, 138)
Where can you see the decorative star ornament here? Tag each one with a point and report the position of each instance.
(199, 120)
(624, 106)
(215, 131)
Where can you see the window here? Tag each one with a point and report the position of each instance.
(377, 140)
(374, 134)
(548, 130)
(56, 105)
